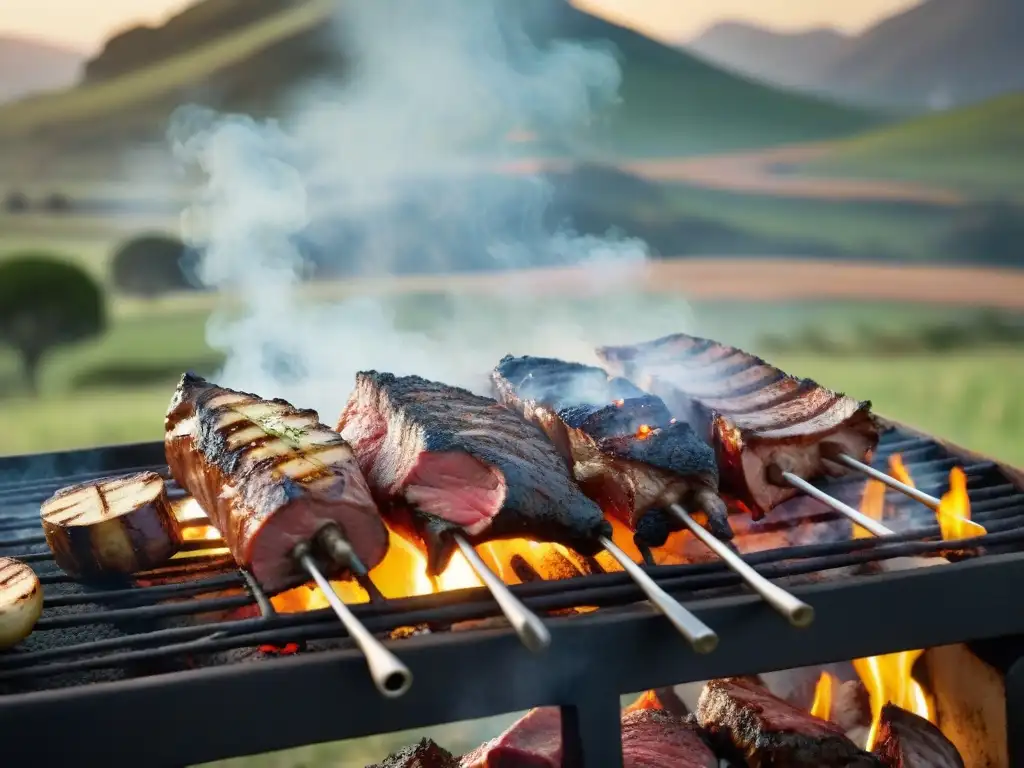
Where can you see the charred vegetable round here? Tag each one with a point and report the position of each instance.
(115, 525)
(21, 601)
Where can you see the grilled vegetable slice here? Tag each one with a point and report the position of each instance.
(116, 525)
(21, 601)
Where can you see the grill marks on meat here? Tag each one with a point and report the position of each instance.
(269, 476)
(462, 462)
(626, 450)
(426, 754)
(743, 717)
(757, 418)
(906, 740)
(651, 738)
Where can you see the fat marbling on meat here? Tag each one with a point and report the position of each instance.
(462, 462)
(625, 449)
(759, 419)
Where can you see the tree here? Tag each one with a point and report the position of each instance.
(46, 303)
(151, 265)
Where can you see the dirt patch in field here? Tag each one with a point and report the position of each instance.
(765, 279)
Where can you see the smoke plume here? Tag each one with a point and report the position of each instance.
(391, 175)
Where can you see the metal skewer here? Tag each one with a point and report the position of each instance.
(799, 613)
(907, 490)
(531, 630)
(390, 675)
(700, 636)
(858, 518)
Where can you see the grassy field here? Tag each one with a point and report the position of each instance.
(116, 389)
(977, 149)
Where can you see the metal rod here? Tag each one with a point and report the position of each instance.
(390, 675)
(531, 630)
(796, 611)
(858, 518)
(700, 636)
(907, 490)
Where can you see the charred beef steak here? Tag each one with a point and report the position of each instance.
(464, 463)
(626, 450)
(906, 740)
(744, 718)
(268, 476)
(757, 418)
(651, 738)
(426, 754)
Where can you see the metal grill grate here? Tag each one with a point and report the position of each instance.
(143, 644)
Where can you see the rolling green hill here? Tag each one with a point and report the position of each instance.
(977, 149)
(671, 102)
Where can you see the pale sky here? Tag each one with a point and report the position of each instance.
(85, 24)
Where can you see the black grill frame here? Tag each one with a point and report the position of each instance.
(238, 709)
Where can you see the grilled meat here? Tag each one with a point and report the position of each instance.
(117, 525)
(426, 754)
(21, 601)
(906, 740)
(464, 463)
(744, 718)
(534, 740)
(759, 420)
(269, 476)
(651, 738)
(626, 451)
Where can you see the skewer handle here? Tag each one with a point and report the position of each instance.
(799, 613)
(390, 675)
(700, 636)
(531, 630)
(858, 518)
(907, 490)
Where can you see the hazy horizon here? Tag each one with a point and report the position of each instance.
(86, 26)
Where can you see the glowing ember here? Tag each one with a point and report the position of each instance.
(954, 512)
(822, 705)
(618, 403)
(643, 432)
(646, 700)
(283, 650)
(888, 680)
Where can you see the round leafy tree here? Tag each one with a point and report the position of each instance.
(45, 303)
(151, 265)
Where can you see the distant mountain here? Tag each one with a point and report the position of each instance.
(936, 55)
(939, 54)
(790, 59)
(671, 102)
(28, 66)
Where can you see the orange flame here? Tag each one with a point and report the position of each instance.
(899, 470)
(954, 512)
(643, 432)
(872, 504)
(618, 403)
(888, 679)
(822, 705)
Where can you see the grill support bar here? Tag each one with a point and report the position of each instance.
(855, 617)
(1015, 713)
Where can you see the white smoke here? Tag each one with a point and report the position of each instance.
(434, 89)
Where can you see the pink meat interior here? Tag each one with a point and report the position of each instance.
(455, 487)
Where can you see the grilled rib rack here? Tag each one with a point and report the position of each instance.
(111, 671)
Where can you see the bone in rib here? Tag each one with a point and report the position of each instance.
(759, 420)
(626, 450)
(269, 476)
(463, 463)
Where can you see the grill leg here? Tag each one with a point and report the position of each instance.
(1015, 713)
(591, 733)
